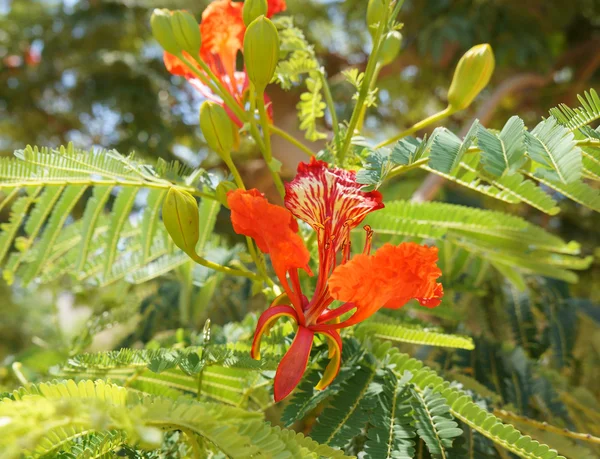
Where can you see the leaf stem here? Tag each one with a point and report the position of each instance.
(267, 153)
(330, 105)
(417, 126)
(222, 90)
(256, 257)
(197, 452)
(284, 135)
(399, 170)
(510, 417)
(224, 269)
(364, 87)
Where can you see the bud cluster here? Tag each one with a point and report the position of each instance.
(176, 31)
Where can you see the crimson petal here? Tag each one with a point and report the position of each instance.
(292, 366)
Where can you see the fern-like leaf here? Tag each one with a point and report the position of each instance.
(435, 424)
(392, 432)
(503, 154)
(416, 335)
(103, 246)
(553, 146)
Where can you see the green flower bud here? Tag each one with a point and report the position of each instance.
(222, 189)
(472, 74)
(162, 30)
(261, 52)
(186, 31)
(390, 48)
(375, 14)
(219, 132)
(180, 216)
(252, 9)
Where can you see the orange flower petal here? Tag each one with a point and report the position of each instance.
(292, 366)
(222, 29)
(389, 278)
(176, 67)
(334, 341)
(266, 321)
(272, 227)
(275, 6)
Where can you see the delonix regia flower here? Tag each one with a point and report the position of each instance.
(222, 30)
(333, 204)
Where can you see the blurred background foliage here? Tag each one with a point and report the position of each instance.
(88, 71)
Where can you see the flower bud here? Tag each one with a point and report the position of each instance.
(162, 30)
(186, 31)
(219, 131)
(375, 14)
(472, 74)
(390, 48)
(261, 52)
(221, 192)
(180, 216)
(252, 9)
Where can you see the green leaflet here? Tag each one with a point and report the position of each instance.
(311, 108)
(434, 423)
(297, 56)
(348, 411)
(236, 432)
(553, 147)
(102, 245)
(415, 335)
(437, 220)
(579, 192)
(578, 118)
(17, 215)
(503, 154)
(93, 210)
(119, 215)
(462, 406)
(63, 208)
(392, 432)
(150, 220)
(520, 311)
(447, 150)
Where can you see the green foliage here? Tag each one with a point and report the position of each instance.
(415, 335)
(311, 107)
(514, 372)
(433, 421)
(100, 246)
(392, 431)
(508, 242)
(78, 409)
(558, 153)
(502, 154)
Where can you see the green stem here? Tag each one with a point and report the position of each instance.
(235, 172)
(16, 368)
(185, 293)
(399, 170)
(258, 260)
(363, 112)
(284, 135)
(418, 126)
(222, 269)
(588, 143)
(221, 90)
(268, 154)
(196, 450)
(365, 87)
(330, 106)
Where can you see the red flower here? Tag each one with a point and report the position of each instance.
(333, 203)
(222, 30)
